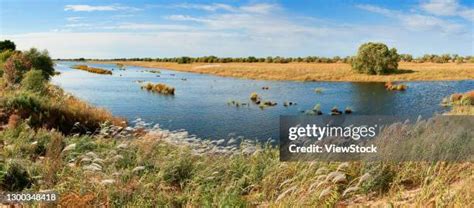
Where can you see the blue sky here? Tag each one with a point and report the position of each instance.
(113, 29)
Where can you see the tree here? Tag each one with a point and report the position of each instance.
(41, 61)
(7, 45)
(375, 58)
(15, 67)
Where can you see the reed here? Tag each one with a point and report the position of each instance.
(395, 87)
(159, 88)
(92, 69)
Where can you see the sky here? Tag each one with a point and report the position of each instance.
(125, 29)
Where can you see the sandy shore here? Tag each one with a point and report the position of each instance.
(318, 71)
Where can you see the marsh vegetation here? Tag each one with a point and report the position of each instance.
(158, 88)
(92, 69)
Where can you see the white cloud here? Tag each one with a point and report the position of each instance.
(141, 26)
(89, 8)
(77, 25)
(448, 8)
(74, 19)
(252, 31)
(414, 21)
(441, 7)
(185, 18)
(206, 7)
(260, 8)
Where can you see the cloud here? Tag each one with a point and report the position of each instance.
(77, 25)
(89, 8)
(248, 30)
(180, 17)
(141, 26)
(206, 7)
(74, 19)
(261, 8)
(414, 21)
(448, 8)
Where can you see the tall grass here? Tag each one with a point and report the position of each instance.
(174, 176)
(159, 88)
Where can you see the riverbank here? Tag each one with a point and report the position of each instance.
(317, 71)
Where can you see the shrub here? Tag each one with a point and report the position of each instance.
(14, 68)
(254, 97)
(159, 88)
(16, 178)
(92, 69)
(34, 81)
(41, 61)
(375, 58)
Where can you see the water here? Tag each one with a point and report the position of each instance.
(200, 103)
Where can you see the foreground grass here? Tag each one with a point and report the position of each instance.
(147, 171)
(319, 71)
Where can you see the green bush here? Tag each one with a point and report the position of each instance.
(33, 81)
(41, 61)
(16, 178)
(375, 58)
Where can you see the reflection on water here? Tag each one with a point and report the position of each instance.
(200, 102)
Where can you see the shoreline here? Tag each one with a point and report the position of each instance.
(311, 72)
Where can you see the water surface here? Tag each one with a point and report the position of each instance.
(200, 105)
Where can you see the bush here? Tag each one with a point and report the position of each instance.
(3, 58)
(375, 58)
(33, 81)
(41, 61)
(16, 178)
(14, 68)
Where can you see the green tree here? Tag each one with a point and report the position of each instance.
(41, 61)
(375, 58)
(7, 45)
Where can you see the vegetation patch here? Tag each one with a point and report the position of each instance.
(92, 69)
(395, 87)
(459, 99)
(159, 88)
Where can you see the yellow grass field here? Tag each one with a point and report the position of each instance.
(319, 71)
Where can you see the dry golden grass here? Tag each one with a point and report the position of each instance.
(319, 71)
(92, 69)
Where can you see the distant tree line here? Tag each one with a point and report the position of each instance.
(433, 58)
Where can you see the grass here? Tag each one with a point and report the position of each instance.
(172, 176)
(54, 109)
(319, 90)
(395, 87)
(319, 71)
(159, 88)
(92, 69)
(461, 103)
